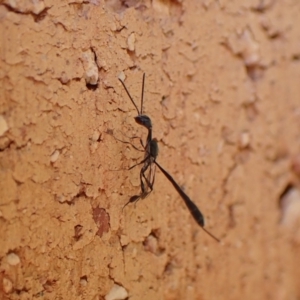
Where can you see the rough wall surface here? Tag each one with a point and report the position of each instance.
(222, 90)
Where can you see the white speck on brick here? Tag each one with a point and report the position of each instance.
(90, 67)
(117, 292)
(54, 156)
(13, 259)
(131, 42)
(244, 140)
(7, 285)
(3, 125)
(122, 76)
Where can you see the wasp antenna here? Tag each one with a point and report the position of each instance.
(129, 96)
(142, 96)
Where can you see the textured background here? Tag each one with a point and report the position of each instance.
(223, 92)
